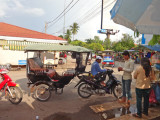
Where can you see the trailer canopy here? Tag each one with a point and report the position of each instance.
(56, 47)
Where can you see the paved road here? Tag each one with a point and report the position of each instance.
(68, 106)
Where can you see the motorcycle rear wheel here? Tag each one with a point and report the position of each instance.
(117, 90)
(42, 92)
(84, 90)
(16, 96)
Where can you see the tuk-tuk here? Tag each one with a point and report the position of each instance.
(44, 78)
(108, 58)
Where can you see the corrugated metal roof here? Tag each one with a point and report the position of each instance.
(15, 31)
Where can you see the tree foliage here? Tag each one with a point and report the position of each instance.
(89, 41)
(96, 43)
(95, 47)
(60, 36)
(125, 43)
(97, 40)
(68, 35)
(74, 29)
(155, 40)
(78, 43)
(107, 44)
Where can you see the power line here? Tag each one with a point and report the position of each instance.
(90, 12)
(63, 15)
(61, 12)
(58, 15)
(93, 12)
(95, 7)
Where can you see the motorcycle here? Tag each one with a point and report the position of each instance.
(88, 85)
(12, 91)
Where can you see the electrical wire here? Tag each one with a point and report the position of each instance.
(63, 15)
(82, 17)
(90, 15)
(94, 14)
(58, 15)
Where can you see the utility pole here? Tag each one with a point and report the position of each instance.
(102, 15)
(108, 32)
(64, 17)
(46, 24)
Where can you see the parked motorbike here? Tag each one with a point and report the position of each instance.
(12, 91)
(6, 66)
(88, 86)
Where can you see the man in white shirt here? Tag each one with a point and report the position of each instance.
(127, 78)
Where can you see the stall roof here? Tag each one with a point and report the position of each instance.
(131, 50)
(154, 48)
(108, 51)
(56, 47)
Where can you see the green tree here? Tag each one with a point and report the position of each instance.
(74, 29)
(78, 43)
(118, 47)
(89, 41)
(125, 43)
(107, 44)
(97, 40)
(68, 35)
(155, 40)
(60, 36)
(96, 47)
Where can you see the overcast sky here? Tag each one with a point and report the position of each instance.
(32, 14)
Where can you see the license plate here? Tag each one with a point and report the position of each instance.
(107, 63)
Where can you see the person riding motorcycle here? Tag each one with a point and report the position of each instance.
(95, 69)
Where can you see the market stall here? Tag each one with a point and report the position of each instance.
(155, 59)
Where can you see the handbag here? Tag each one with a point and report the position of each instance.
(157, 92)
(152, 97)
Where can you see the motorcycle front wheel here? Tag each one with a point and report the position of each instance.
(16, 96)
(42, 92)
(84, 90)
(117, 90)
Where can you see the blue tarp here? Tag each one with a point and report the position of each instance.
(154, 48)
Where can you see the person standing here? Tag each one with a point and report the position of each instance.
(143, 75)
(126, 78)
(148, 54)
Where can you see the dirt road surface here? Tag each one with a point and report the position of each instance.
(67, 106)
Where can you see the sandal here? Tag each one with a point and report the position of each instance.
(145, 113)
(136, 115)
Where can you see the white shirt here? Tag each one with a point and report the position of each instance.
(128, 69)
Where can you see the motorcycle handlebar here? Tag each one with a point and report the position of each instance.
(108, 71)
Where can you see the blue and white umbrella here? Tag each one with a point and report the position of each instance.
(140, 15)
